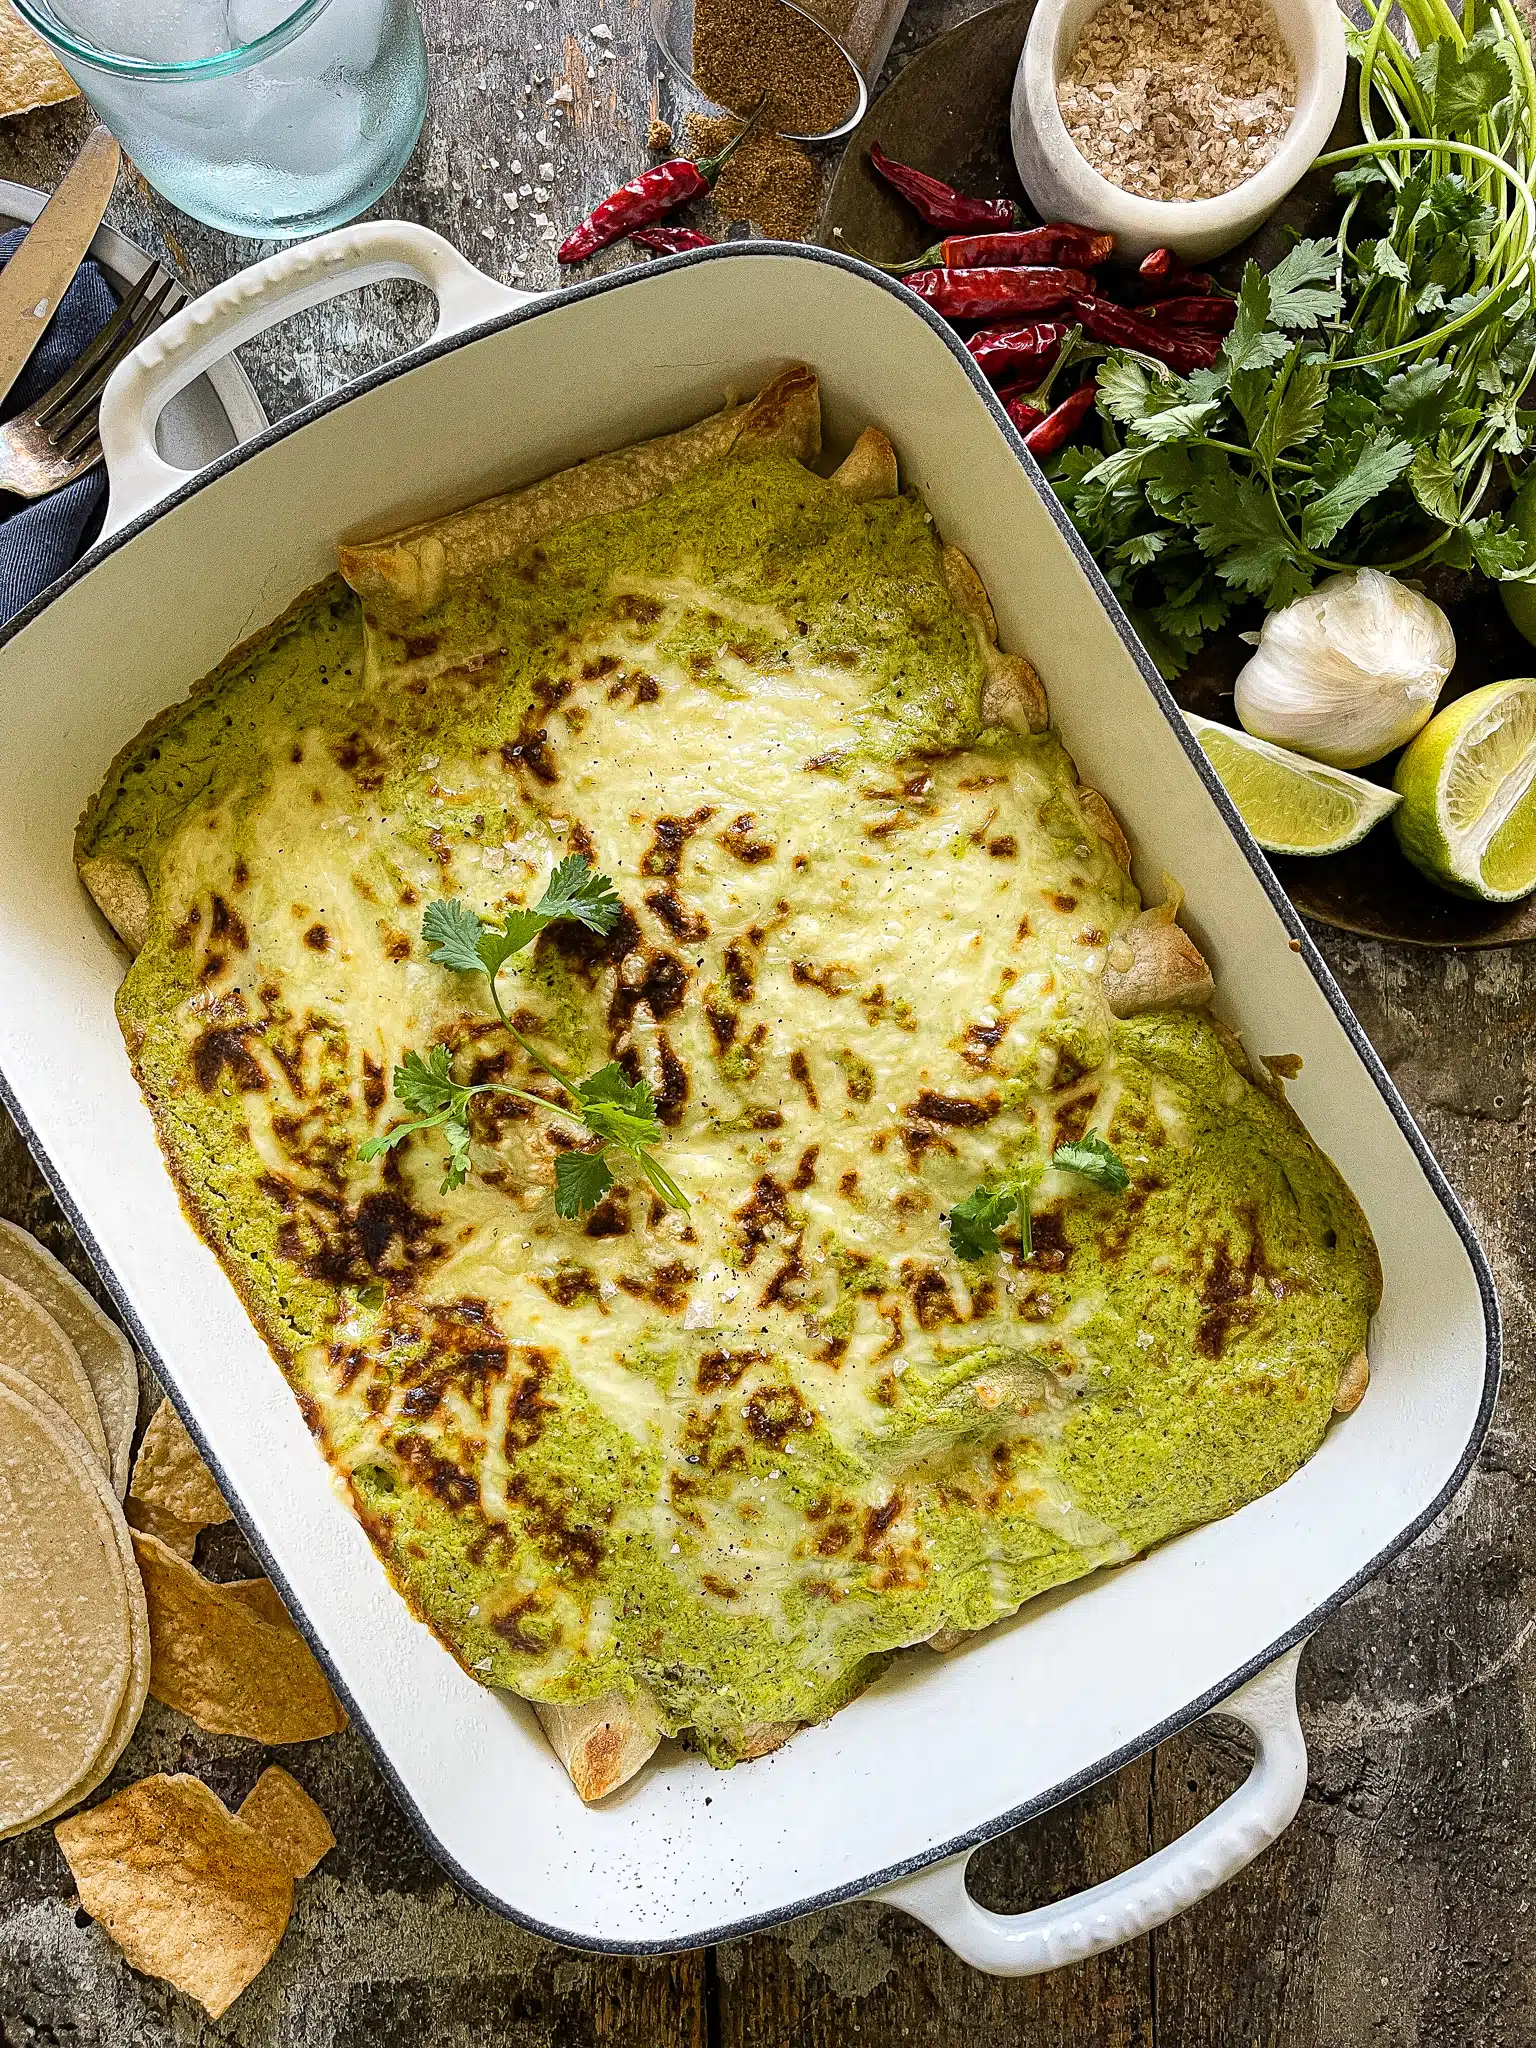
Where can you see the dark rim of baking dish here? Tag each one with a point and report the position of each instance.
(1207, 1701)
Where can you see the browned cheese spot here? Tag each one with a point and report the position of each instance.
(742, 839)
(800, 1071)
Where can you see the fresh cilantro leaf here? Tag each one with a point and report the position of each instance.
(1095, 1160)
(1356, 177)
(1176, 422)
(1470, 84)
(618, 1110)
(426, 1085)
(1252, 343)
(1384, 260)
(1125, 389)
(1434, 483)
(1513, 425)
(1379, 464)
(581, 1181)
(456, 1132)
(1457, 210)
(1141, 549)
(974, 1223)
(1415, 400)
(1488, 544)
(576, 891)
(461, 940)
(1295, 411)
(1236, 523)
(375, 1148)
(1118, 469)
(453, 932)
(1302, 290)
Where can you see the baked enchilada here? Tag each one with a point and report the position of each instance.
(628, 981)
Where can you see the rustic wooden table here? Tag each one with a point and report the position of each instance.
(1394, 1913)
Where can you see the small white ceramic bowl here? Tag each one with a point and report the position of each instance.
(1064, 186)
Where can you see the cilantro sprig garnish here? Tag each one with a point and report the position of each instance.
(606, 1105)
(1366, 407)
(975, 1223)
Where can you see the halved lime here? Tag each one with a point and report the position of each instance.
(1468, 784)
(1288, 803)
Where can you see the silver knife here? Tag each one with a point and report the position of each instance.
(39, 274)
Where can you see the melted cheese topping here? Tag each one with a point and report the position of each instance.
(735, 1455)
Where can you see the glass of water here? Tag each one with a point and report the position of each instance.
(261, 117)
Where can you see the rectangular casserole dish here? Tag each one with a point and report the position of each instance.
(942, 1753)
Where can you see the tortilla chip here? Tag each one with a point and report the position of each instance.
(66, 1625)
(172, 1531)
(30, 74)
(169, 1473)
(262, 1597)
(215, 1659)
(33, 1349)
(288, 1821)
(105, 1352)
(188, 1892)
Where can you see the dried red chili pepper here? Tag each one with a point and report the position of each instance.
(1025, 417)
(672, 241)
(989, 294)
(951, 212)
(650, 197)
(1180, 348)
(1058, 427)
(1005, 351)
(1057, 242)
(1212, 316)
(1163, 276)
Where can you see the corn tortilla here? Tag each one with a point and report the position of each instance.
(105, 1353)
(34, 1348)
(66, 1641)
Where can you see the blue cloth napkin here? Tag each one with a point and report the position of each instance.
(41, 540)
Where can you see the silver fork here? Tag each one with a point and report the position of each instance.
(55, 439)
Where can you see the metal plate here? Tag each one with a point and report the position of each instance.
(947, 112)
(211, 416)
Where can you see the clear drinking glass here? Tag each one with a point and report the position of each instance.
(257, 116)
(817, 60)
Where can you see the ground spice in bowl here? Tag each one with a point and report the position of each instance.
(745, 48)
(1178, 99)
(770, 181)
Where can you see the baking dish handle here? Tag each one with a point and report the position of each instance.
(1166, 1884)
(233, 312)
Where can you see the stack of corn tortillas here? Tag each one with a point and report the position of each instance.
(74, 1627)
(96, 1615)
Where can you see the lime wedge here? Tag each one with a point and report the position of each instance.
(1468, 784)
(1288, 803)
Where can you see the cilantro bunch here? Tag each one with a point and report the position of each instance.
(1365, 406)
(607, 1105)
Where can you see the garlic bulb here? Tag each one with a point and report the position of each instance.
(1349, 672)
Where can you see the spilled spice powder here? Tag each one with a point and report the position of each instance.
(745, 48)
(770, 180)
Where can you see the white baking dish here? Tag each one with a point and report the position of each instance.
(943, 1753)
